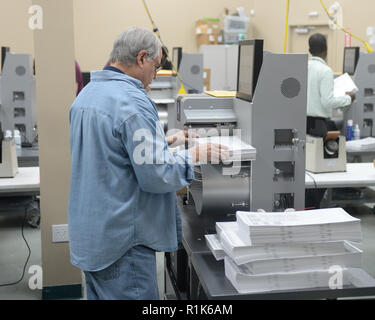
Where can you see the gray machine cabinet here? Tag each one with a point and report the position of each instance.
(362, 111)
(191, 72)
(278, 131)
(18, 100)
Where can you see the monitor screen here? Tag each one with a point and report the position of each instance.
(351, 56)
(245, 81)
(4, 51)
(250, 57)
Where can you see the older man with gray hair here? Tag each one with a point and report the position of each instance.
(123, 205)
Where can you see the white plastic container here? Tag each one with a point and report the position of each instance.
(236, 24)
(8, 134)
(235, 28)
(357, 133)
(17, 139)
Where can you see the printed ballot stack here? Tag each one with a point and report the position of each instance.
(267, 251)
(237, 149)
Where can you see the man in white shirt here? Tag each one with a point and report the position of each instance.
(320, 102)
(320, 96)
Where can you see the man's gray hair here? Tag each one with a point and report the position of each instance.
(129, 43)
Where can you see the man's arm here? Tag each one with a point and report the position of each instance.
(157, 170)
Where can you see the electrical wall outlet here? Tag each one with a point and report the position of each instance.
(60, 233)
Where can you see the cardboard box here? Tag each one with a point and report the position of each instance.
(206, 79)
(209, 27)
(206, 39)
(208, 32)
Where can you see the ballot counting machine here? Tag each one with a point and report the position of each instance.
(18, 109)
(361, 67)
(268, 113)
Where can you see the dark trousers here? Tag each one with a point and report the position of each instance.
(319, 127)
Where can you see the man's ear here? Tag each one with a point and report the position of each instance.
(141, 57)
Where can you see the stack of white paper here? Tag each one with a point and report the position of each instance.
(245, 282)
(280, 251)
(300, 226)
(215, 246)
(221, 226)
(238, 149)
(343, 84)
(214, 240)
(249, 283)
(366, 144)
(241, 251)
(350, 258)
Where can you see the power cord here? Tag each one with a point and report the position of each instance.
(157, 32)
(315, 185)
(35, 140)
(286, 26)
(28, 247)
(26, 142)
(367, 46)
(371, 130)
(190, 87)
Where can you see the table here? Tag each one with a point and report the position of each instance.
(26, 182)
(358, 175)
(20, 191)
(219, 288)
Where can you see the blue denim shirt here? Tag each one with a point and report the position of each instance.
(124, 179)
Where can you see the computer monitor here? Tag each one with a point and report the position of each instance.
(351, 56)
(176, 57)
(250, 58)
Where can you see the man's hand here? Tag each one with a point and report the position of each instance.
(209, 152)
(351, 95)
(182, 137)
